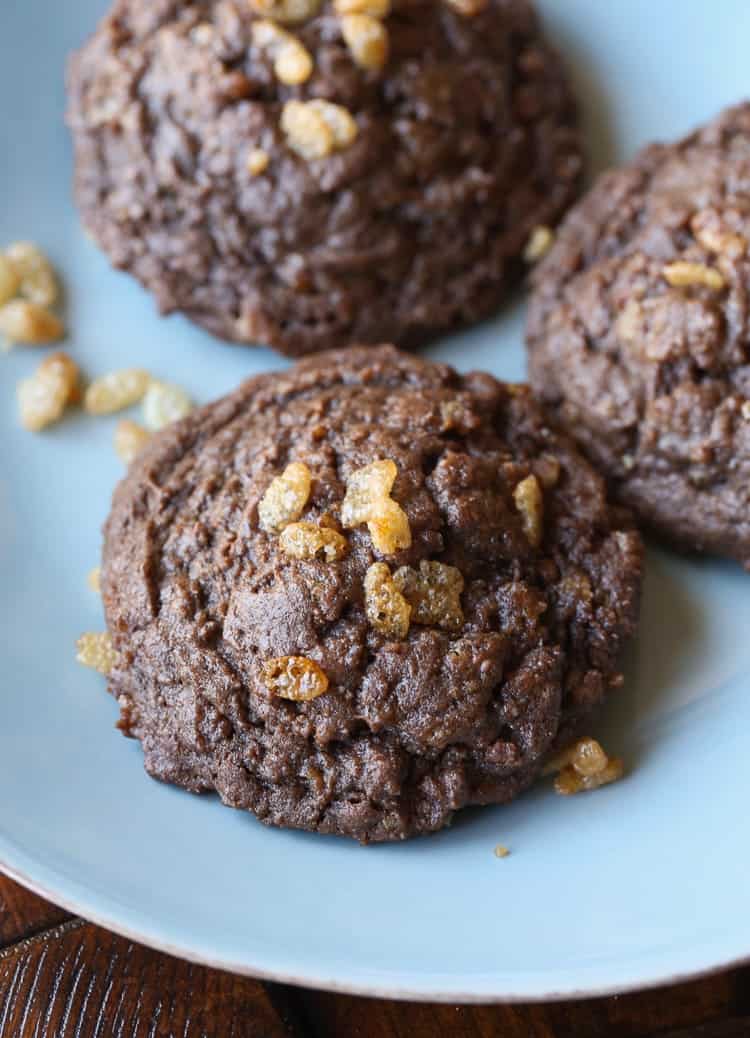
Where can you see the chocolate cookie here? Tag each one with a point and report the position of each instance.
(340, 174)
(639, 334)
(361, 594)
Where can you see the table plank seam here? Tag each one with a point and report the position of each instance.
(50, 933)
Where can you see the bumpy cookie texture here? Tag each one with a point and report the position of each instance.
(639, 334)
(302, 187)
(355, 691)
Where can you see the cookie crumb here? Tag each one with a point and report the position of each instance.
(501, 851)
(294, 677)
(93, 580)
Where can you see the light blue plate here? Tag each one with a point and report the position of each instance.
(640, 883)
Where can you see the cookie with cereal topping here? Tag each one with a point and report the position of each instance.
(361, 594)
(638, 334)
(303, 174)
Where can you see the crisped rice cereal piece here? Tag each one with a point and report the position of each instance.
(43, 397)
(95, 649)
(129, 439)
(22, 321)
(434, 593)
(164, 403)
(116, 390)
(294, 677)
(368, 501)
(308, 541)
(285, 498)
(38, 281)
(387, 610)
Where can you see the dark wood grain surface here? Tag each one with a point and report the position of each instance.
(61, 977)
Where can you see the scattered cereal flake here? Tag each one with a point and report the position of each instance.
(95, 649)
(43, 397)
(10, 279)
(257, 161)
(116, 390)
(530, 504)
(94, 579)
(368, 501)
(538, 245)
(292, 62)
(285, 498)
(375, 8)
(315, 129)
(385, 607)
(584, 766)
(294, 677)
(434, 593)
(588, 757)
(367, 40)
(468, 8)
(685, 275)
(570, 782)
(501, 851)
(38, 281)
(164, 403)
(129, 439)
(287, 11)
(308, 541)
(22, 321)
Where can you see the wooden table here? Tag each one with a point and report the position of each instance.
(61, 977)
